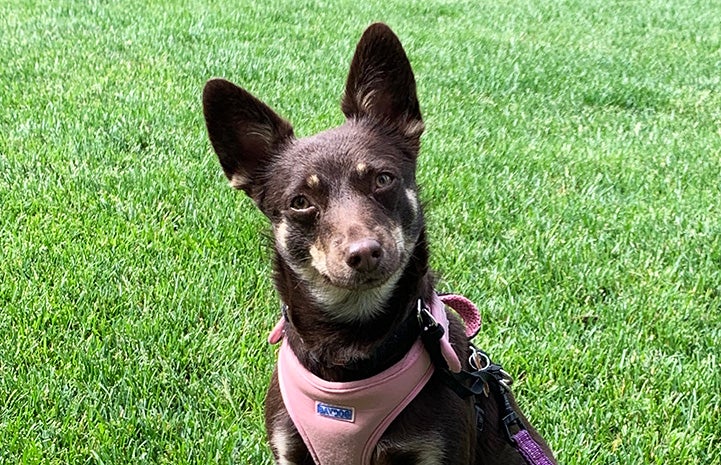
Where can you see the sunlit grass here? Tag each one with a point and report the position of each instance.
(572, 174)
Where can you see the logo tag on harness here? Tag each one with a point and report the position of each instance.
(335, 412)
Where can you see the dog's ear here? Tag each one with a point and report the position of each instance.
(380, 83)
(244, 132)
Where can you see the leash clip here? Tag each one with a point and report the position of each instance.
(435, 340)
(431, 330)
(510, 420)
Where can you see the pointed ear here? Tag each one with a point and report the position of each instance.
(244, 132)
(380, 83)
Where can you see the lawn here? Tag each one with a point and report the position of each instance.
(571, 171)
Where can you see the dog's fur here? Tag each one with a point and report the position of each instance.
(351, 257)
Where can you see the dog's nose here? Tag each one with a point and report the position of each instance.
(364, 255)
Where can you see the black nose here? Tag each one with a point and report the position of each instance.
(364, 255)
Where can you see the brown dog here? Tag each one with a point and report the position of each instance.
(351, 259)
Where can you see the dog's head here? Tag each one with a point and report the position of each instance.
(343, 203)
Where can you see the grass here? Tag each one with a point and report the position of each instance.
(571, 169)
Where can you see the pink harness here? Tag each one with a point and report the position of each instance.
(341, 423)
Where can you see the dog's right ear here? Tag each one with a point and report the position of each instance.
(244, 132)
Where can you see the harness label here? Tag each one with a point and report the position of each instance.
(335, 412)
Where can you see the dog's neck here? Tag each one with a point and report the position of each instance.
(339, 352)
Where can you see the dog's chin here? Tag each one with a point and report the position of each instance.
(352, 300)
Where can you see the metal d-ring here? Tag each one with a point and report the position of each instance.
(479, 360)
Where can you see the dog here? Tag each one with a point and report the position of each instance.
(351, 268)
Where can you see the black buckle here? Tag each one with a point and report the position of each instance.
(467, 383)
(431, 330)
(479, 417)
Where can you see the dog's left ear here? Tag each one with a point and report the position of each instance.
(381, 85)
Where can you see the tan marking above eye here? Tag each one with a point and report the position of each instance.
(361, 168)
(313, 181)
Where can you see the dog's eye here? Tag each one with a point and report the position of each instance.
(299, 202)
(384, 180)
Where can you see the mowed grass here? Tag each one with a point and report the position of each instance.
(571, 170)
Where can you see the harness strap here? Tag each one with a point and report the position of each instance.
(341, 422)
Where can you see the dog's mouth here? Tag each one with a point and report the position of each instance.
(355, 283)
(352, 298)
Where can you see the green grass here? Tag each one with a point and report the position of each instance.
(571, 169)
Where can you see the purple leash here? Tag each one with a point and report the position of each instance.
(529, 449)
